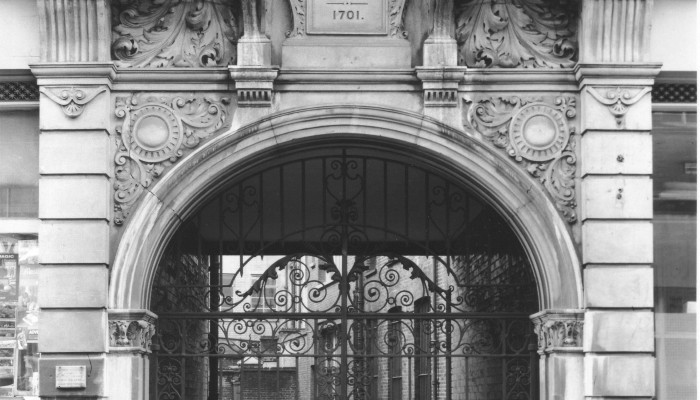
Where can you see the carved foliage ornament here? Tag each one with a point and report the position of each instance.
(131, 333)
(517, 33)
(72, 100)
(155, 133)
(618, 100)
(537, 134)
(559, 333)
(174, 33)
(396, 14)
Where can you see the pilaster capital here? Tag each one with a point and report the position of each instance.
(559, 331)
(131, 331)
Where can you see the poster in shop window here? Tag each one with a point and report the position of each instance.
(8, 277)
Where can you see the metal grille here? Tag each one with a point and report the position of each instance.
(345, 274)
(19, 91)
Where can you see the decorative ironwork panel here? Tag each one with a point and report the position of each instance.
(345, 274)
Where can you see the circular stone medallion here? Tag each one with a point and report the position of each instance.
(539, 132)
(156, 133)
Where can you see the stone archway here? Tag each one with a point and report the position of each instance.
(520, 201)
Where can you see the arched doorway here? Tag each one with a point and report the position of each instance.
(344, 271)
(468, 162)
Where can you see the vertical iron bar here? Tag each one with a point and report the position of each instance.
(214, 268)
(344, 288)
(282, 227)
(303, 200)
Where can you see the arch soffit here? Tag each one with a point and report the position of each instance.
(491, 175)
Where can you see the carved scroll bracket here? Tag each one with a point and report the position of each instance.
(72, 100)
(537, 134)
(155, 133)
(559, 330)
(131, 331)
(618, 100)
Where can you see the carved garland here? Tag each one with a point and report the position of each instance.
(538, 135)
(517, 33)
(155, 133)
(396, 14)
(174, 33)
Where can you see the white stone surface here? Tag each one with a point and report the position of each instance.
(352, 53)
(617, 242)
(564, 372)
(120, 372)
(19, 22)
(618, 331)
(80, 286)
(72, 331)
(612, 197)
(79, 152)
(601, 153)
(75, 196)
(619, 375)
(618, 286)
(674, 32)
(74, 242)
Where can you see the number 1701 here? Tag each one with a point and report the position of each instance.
(343, 14)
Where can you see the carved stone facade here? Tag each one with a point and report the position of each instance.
(559, 330)
(131, 331)
(174, 33)
(148, 105)
(536, 133)
(156, 131)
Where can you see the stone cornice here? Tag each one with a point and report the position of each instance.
(620, 73)
(73, 74)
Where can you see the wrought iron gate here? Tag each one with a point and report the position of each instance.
(344, 274)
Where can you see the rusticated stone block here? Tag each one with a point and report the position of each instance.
(77, 197)
(617, 242)
(619, 286)
(83, 286)
(72, 331)
(616, 153)
(74, 242)
(82, 152)
(619, 375)
(616, 197)
(618, 331)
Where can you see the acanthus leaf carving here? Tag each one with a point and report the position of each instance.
(618, 100)
(559, 331)
(517, 33)
(396, 14)
(156, 132)
(72, 100)
(299, 17)
(132, 333)
(174, 33)
(538, 135)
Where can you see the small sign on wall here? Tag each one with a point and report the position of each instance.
(347, 17)
(70, 377)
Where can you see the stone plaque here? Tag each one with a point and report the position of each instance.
(70, 377)
(343, 17)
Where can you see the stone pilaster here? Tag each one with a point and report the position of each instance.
(615, 79)
(560, 336)
(440, 48)
(130, 334)
(75, 30)
(74, 212)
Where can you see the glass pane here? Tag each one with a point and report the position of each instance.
(19, 175)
